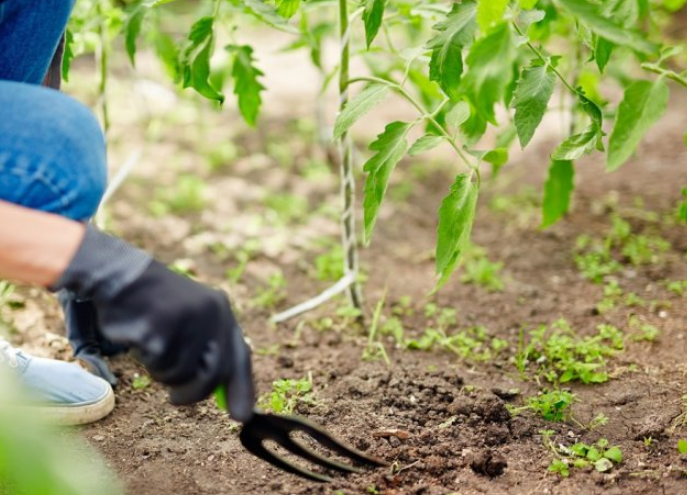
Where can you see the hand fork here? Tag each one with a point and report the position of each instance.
(262, 427)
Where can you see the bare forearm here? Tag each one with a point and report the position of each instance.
(35, 247)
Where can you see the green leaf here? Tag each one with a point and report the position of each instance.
(391, 146)
(497, 157)
(362, 103)
(491, 61)
(602, 465)
(643, 105)
(682, 446)
(602, 53)
(195, 59)
(591, 16)
(587, 141)
(489, 12)
(246, 86)
(287, 8)
(531, 99)
(527, 4)
(221, 398)
(132, 29)
(373, 16)
(614, 454)
(455, 33)
(268, 14)
(456, 216)
(425, 143)
(68, 55)
(458, 115)
(557, 192)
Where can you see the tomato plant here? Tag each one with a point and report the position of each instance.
(466, 67)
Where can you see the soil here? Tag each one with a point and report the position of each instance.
(439, 421)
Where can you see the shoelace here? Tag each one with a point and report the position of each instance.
(8, 352)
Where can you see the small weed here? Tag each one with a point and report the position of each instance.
(522, 208)
(329, 265)
(249, 250)
(480, 271)
(682, 208)
(287, 208)
(560, 356)
(187, 195)
(552, 406)
(473, 343)
(287, 394)
(649, 443)
(273, 294)
(222, 156)
(374, 349)
(582, 456)
(644, 331)
(140, 382)
(682, 446)
(597, 258)
(677, 287)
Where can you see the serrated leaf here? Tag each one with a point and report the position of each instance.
(425, 143)
(458, 115)
(373, 16)
(491, 60)
(489, 12)
(362, 103)
(195, 60)
(578, 145)
(497, 157)
(268, 14)
(246, 84)
(591, 16)
(455, 33)
(391, 146)
(132, 29)
(456, 216)
(614, 454)
(531, 99)
(287, 8)
(643, 105)
(557, 192)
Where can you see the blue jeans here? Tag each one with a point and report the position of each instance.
(52, 150)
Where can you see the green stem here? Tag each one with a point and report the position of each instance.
(657, 69)
(429, 116)
(103, 62)
(348, 232)
(545, 59)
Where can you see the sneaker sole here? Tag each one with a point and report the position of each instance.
(78, 415)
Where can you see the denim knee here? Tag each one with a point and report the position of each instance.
(52, 152)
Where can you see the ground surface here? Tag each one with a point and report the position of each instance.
(441, 420)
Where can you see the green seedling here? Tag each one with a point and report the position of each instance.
(649, 442)
(479, 270)
(677, 287)
(249, 250)
(682, 446)
(582, 456)
(375, 350)
(273, 294)
(222, 156)
(329, 265)
(643, 331)
(187, 195)
(140, 382)
(682, 208)
(287, 208)
(288, 394)
(559, 355)
(471, 344)
(551, 406)
(521, 209)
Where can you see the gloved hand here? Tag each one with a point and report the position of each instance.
(183, 332)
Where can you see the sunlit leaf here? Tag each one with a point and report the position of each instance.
(531, 99)
(362, 103)
(246, 84)
(643, 105)
(372, 17)
(195, 60)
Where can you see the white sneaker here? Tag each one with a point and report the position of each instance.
(61, 393)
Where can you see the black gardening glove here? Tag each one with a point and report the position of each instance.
(183, 332)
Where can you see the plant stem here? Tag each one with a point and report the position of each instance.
(429, 116)
(348, 233)
(103, 62)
